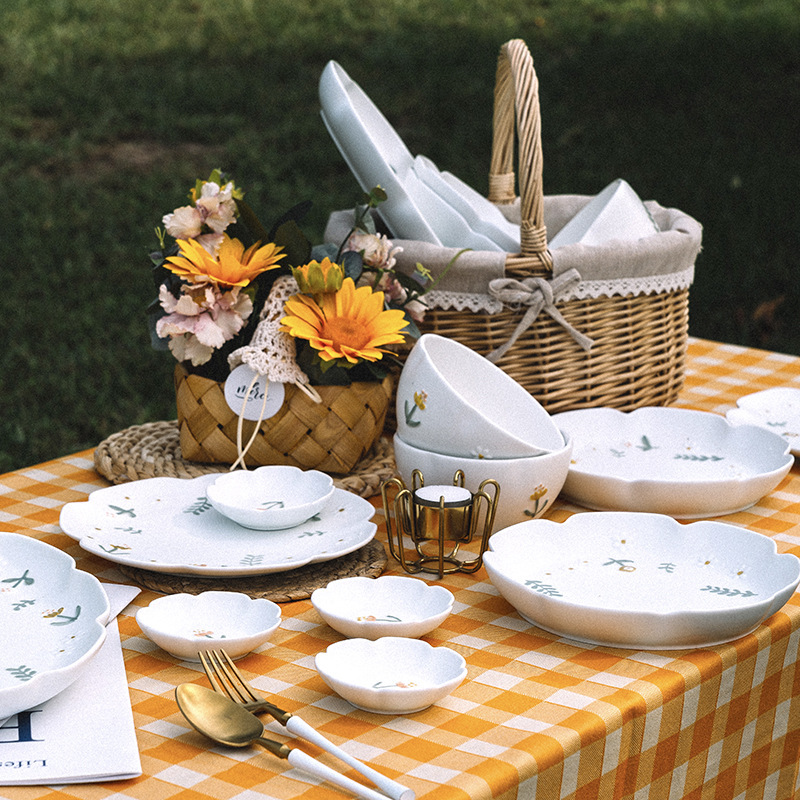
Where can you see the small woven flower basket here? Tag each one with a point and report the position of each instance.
(331, 436)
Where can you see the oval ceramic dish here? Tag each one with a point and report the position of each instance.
(684, 463)
(391, 605)
(185, 624)
(391, 675)
(642, 581)
(271, 498)
(777, 410)
(169, 525)
(54, 618)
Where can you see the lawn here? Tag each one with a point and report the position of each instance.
(112, 109)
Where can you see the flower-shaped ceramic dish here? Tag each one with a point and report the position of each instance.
(777, 410)
(169, 525)
(528, 486)
(186, 624)
(684, 463)
(454, 401)
(54, 618)
(391, 605)
(271, 498)
(391, 675)
(642, 581)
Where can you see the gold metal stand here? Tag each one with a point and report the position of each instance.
(438, 520)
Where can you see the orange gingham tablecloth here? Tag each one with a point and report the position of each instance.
(538, 716)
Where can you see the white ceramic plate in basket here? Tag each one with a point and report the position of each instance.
(377, 156)
(54, 618)
(169, 525)
(777, 410)
(642, 581)
(680, 462)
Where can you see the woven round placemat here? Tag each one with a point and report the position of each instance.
(281, 587)
(153, 450)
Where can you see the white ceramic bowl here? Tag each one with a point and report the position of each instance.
(391, 675)
(641, 581)
(54, 618)
(370, 608)
(675, 461)
(186, 624)
(452, 400)
(270, 498)
(528, 486)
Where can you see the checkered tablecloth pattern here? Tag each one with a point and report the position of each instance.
(538, 716)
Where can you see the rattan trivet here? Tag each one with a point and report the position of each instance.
(153, 450)
(281, 587)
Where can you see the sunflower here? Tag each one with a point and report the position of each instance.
(351, 324)
(232, 266)
(318, 277)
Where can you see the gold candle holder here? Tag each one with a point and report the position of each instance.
(438, 520)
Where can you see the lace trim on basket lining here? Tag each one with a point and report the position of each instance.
(651, 284)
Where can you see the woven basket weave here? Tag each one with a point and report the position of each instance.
(638, 356)
(331, 436)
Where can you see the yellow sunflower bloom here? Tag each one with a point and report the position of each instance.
(318, 277)
(232, 266)
(351, 324)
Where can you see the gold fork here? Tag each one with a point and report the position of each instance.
(226, 679)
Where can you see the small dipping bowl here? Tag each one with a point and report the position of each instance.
(370, 608)
(185, 624)
(391, 675)
(270, 498)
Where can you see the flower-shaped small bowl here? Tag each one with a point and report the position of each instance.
(391, 675)
(369, 608)
(271, 498)
(187, 624)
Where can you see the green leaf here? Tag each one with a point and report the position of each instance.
(353, 265)
(294, 242)
(249, 219)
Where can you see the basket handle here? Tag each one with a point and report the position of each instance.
(517, 89)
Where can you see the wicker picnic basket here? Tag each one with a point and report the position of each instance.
(636, 348)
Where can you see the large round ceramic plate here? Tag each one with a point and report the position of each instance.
(54, 619)
(777, 410)
(684, 463)
(642, 581)
(169, 525)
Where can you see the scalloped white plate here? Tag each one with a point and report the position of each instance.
(777, 410)
(54, 618)
(169, 525)
(642, 581)
(675, 461)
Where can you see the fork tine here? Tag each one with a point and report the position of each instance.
(232, 673)
(211, 673)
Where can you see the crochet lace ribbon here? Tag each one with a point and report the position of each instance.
(271, 354)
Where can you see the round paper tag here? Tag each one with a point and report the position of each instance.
(264, 398)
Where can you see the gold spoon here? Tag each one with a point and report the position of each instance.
(228, 723)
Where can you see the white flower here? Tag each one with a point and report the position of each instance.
(216, 205)
(376, 250)
(184, 223)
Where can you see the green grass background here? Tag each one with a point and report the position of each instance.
(111, 108)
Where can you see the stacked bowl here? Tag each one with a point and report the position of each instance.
(458, 411)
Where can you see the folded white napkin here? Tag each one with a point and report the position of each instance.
(84, 734)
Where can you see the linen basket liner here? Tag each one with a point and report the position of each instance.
(583, 326)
